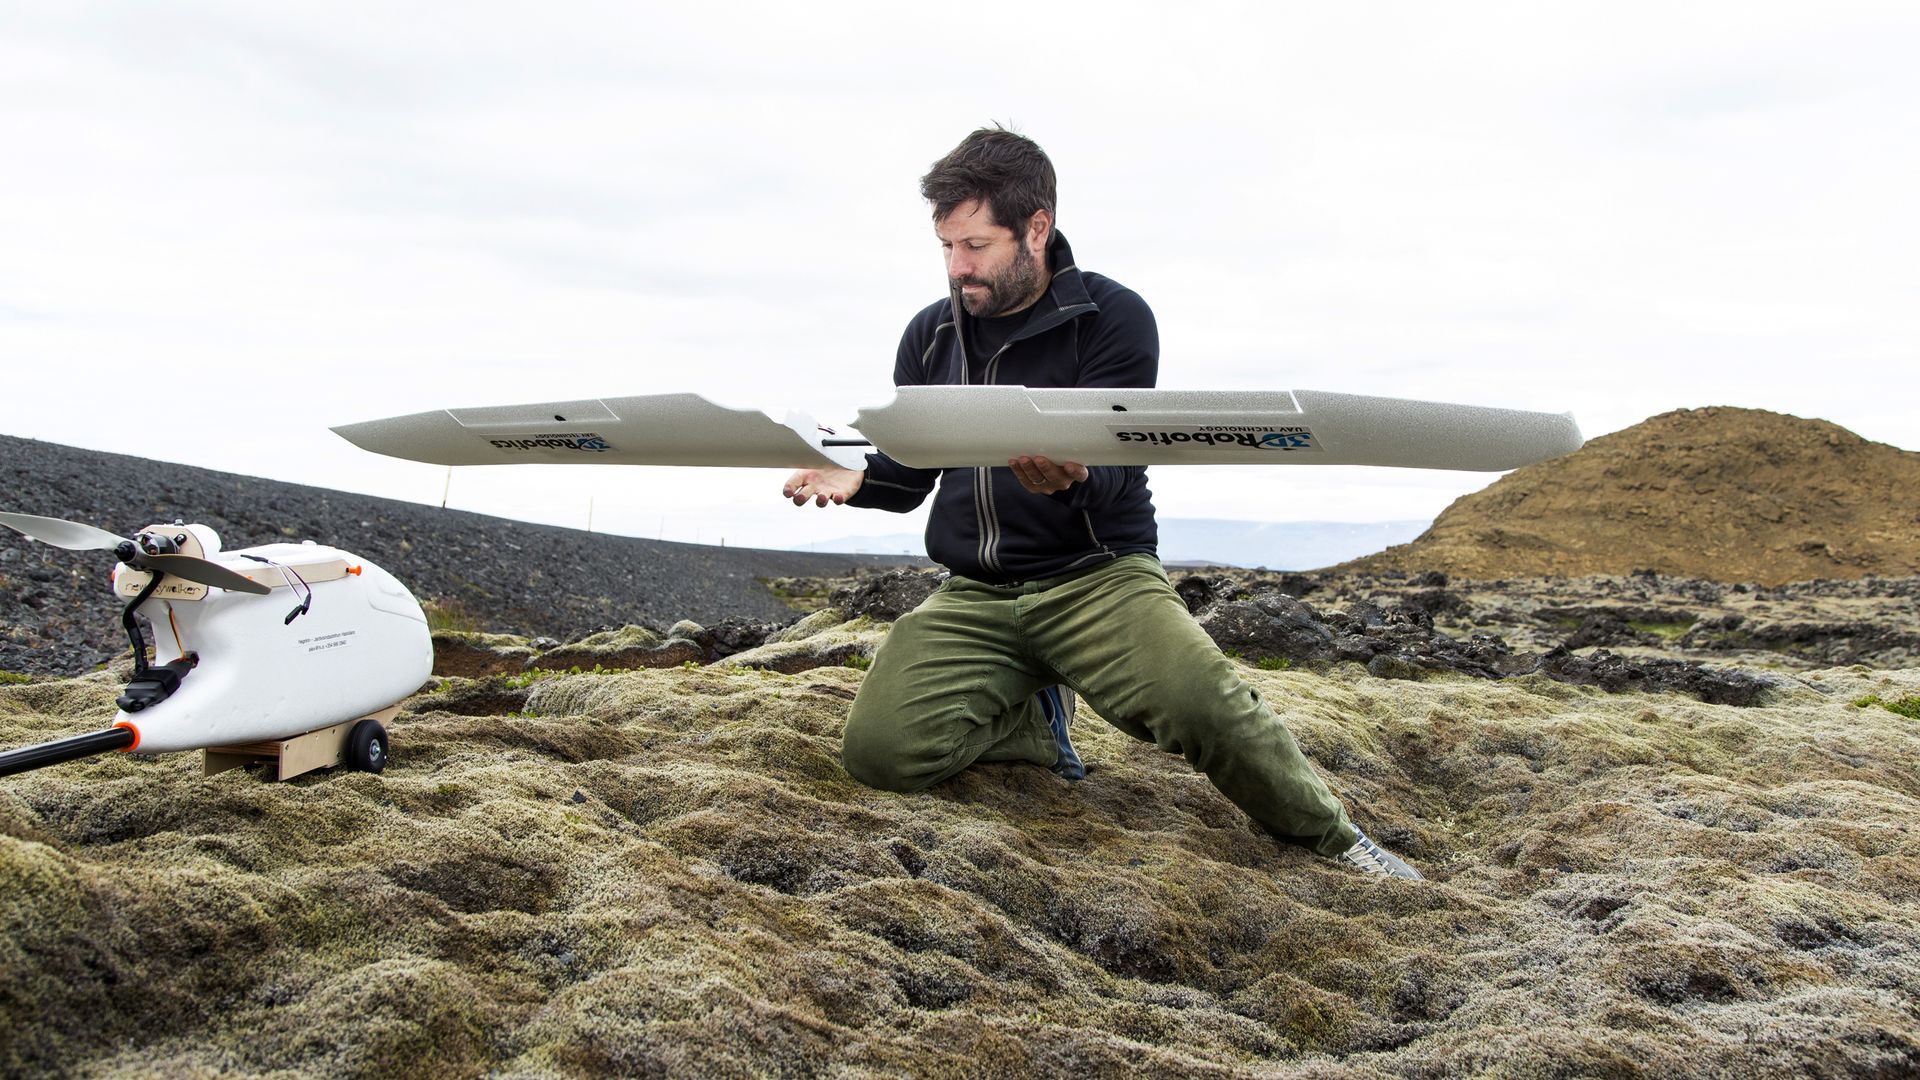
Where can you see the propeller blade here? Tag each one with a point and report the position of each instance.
(62, 534)
(201, 571)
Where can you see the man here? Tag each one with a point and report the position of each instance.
(1055, 585)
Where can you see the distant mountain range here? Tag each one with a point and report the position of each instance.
(1275, 545)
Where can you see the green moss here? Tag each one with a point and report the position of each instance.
(450, 615)
(628, 875)
(860, 661)
(14, 678)
(480, 639)
(1665, 631)
(1908, 706)
(1275, 663)
(626, 637)
(824, 619)
(799, 594)
(524, 679)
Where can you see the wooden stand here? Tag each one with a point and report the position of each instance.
(320, 749)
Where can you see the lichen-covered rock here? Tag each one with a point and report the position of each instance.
(1403, 641)
(1269, 624)
(1618, 674)
(823, 619)
(1845, 641)
(626, 648)
(1202, 591)
(821, 640)
(1604, 628)
(724, 638)
(887, 595)
(1393, 666)
(476, 656)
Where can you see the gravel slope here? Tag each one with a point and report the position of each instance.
(57, 615)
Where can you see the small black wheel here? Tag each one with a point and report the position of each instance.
(367, 747)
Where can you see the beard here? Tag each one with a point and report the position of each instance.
(1008, 292)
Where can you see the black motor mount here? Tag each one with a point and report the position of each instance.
(152, 685)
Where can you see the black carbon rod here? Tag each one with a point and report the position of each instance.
(53, 753)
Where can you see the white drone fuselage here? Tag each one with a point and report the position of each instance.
(360, 645)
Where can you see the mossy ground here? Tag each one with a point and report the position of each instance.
(1908, 707)
(451, 615)
(667, 872)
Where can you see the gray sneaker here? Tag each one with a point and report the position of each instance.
(1370, 858)
(1056, 703)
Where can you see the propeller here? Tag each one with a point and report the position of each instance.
(144, 552)
(201, 571)
(62, 534)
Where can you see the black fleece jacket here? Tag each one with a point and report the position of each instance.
(1087, 330)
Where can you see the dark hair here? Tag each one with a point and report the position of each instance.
(1004, 169)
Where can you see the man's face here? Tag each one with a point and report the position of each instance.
(995, 269)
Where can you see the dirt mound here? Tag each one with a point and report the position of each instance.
(1719, 493)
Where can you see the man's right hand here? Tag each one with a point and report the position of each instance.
(823, 486)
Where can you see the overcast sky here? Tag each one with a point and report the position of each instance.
(226, 226)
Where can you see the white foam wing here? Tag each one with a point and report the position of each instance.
(947, 426)
(955, 426)
(653, 429)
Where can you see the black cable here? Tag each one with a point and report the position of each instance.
(133, 628)
(288, 575)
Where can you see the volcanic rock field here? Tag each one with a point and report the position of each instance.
(1670, 822)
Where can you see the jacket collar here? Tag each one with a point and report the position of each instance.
(1066, 296)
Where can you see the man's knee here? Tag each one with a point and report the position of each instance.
(877, 769)
(874, 758)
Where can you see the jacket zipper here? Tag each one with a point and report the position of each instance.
(986, 514)
(989, 514)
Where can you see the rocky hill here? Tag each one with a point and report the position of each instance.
(1719, 493)
(57, 615)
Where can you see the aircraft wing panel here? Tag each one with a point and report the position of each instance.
(653, 429)
(951, 426)
(957, 426)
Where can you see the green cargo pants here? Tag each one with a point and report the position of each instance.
(954, 683)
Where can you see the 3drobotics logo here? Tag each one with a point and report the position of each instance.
(1250, 437)
(584, 441)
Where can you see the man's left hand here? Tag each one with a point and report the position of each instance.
(1044, 477)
